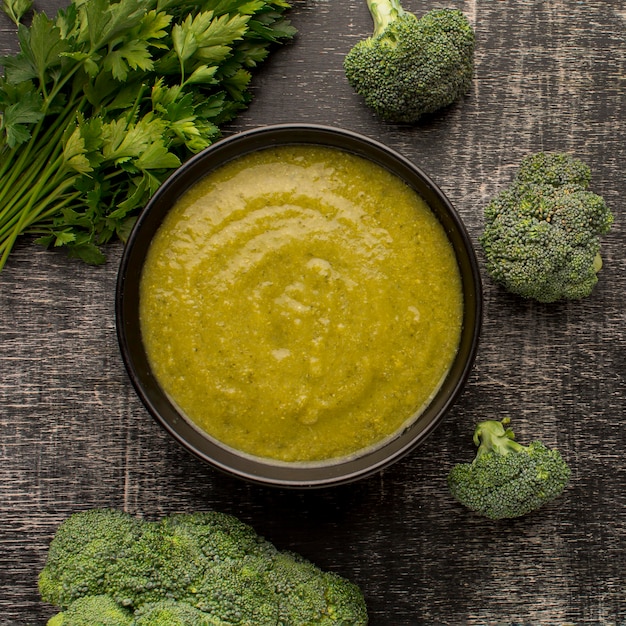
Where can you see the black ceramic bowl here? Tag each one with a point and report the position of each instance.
(253, 468)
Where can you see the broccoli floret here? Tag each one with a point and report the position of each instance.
(309, 596)
(541, 234)
(234, 585)
(410, 67)
(100, 610)
(344, 600)
(507, 479)
(220, 537)
(212, 564)
(301, 590)
(161, 563)
(272, 587)
(238, 593)
(85, 546)
(173, 613)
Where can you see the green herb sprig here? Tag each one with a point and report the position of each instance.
(103, 101)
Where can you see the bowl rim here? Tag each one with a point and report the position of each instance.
(256, 469)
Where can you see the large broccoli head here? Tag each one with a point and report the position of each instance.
(507, 479)
(199, 569)
(541, 234)
(410, 67)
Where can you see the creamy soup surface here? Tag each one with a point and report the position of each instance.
(301, 303)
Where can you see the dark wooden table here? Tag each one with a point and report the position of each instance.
(73, 434)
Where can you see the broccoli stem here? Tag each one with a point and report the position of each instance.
(384, 12)
(492, 436)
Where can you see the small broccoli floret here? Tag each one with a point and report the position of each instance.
(173, 613)
(410, 67)
(100, 610)
(541, 234)
(507, 479)
(84, 547)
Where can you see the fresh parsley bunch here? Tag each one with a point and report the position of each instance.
(104, 100)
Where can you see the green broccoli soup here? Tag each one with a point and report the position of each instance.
(301, 303)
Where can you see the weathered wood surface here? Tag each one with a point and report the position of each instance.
(73, 435)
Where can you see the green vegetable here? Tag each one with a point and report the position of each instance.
(85, 546)
(507, 479)
(103, 101)
(173, 613)
(206, 569)
(410, 67)
(99, 610)
(541, 234)
(16, 9)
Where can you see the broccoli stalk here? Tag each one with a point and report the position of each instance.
(492, 436)
(384, 13)
(541, 234)
(410, 67)
(507, 479)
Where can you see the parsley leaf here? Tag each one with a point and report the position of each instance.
(102, 102)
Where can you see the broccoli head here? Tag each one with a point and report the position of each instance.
(100, 610)
(507, 479)
(410, 67)
(541, 234)
(197, 569)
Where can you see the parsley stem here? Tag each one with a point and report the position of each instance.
(24, 174)
(41, 195)
(40, 146)
(47, 207)
(9, 242)
(23, 179)
(70, 111)
(22, 185)
(30, 187)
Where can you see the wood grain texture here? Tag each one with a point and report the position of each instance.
(73, 434)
